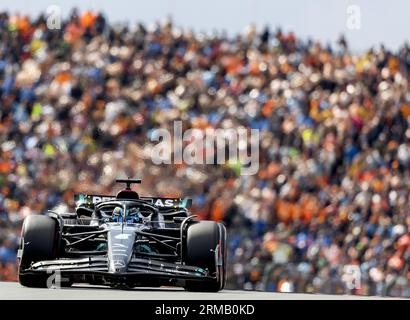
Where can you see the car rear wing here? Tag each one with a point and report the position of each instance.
(161, 202)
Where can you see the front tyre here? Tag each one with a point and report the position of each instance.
(39, 242)
(206, 248)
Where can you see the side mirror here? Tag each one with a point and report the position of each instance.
(85, 209)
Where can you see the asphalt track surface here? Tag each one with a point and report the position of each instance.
(14, 291)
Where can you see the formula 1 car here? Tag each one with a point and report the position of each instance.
(124, 241)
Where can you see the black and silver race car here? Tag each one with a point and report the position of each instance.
(124, 241)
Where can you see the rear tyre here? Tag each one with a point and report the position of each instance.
(203, 238)
(39, 242)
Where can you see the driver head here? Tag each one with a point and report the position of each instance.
(117, 211)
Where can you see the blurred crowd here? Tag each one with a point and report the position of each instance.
(328, 211)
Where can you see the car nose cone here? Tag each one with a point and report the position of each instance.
(120, 247)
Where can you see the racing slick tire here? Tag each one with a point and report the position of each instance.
(39, 241)
(203, 238)
(224, 254)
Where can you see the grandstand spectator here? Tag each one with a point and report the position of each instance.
(78, 106)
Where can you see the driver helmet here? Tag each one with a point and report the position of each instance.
(117, 212)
